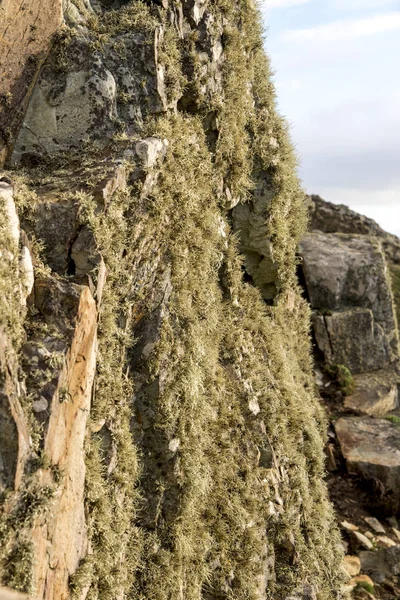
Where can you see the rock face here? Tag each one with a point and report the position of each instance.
(346, 278)
(159, 434)
(371, 448)
(26, 30)
(347, 261)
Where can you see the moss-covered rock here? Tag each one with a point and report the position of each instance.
(204, 462)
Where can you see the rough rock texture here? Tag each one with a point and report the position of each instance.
(182, 456)
(26, 29)
(371, 448)
(376, 393)
(346, 278)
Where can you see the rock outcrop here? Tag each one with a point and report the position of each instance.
(349, 271)
(159, 430)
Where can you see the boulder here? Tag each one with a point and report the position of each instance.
(371, 448)
(347, 282)
(375, 395)
(381, 564)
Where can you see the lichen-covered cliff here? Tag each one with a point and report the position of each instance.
(160, 435)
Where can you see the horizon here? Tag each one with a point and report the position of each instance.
(334, 66)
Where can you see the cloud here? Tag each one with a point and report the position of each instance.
(346, 29)
(362, 4)
(282, 3)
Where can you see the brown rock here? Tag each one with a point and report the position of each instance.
(61, 541)
(396, 533)
(361, 540)
(349, 526)
(362, 580)
(385, 542)
(25, 35)
(376, 393)
(371, 448)
(352, 565)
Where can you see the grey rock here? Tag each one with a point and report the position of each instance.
(307, 593)
(347, 271)
(381, 563)
(353, 338)
(40, 405)
(150, 150)
(337, 218)
(375, 524)
(61, 116)
(371, 448)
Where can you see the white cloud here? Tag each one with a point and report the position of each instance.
(346, 29)
(362, 4)
(282, 3)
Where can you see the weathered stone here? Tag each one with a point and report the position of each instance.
(59, 117)
(360, 539)
(150, 150)
(375, 524)
(362, 580)
(381, 563)
(347, 274)
(352, 338)
(82, 103)
(349, 526)
(61, 540)
(337, 218)
(385, 542)
(7, 201)
(396, 533)
(371, 448)
(352, 565)
(376, 393)
(25, 37)
(307, 593)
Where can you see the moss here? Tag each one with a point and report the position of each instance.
(343, 377)
(364, 585)
(393, 419)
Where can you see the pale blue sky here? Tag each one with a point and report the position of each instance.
(337, 66)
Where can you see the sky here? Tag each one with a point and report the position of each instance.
(337, 74)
